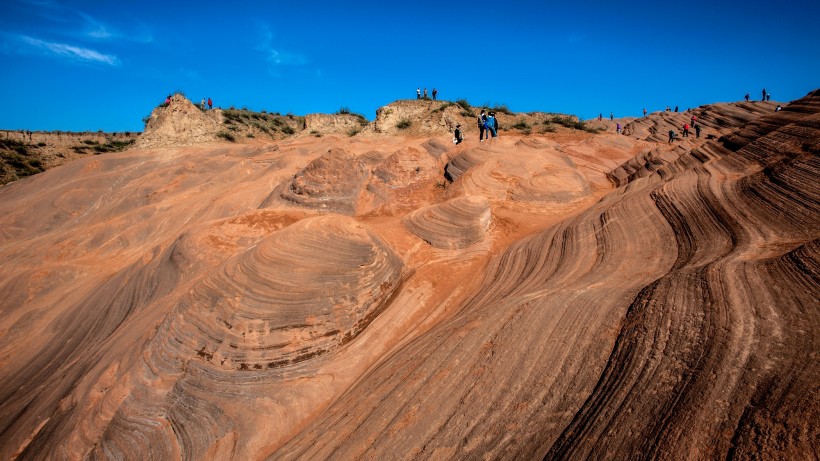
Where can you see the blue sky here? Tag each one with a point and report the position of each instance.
(94, 65)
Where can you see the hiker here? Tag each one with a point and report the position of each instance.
(425, 93)
(435, 92)
(697, 131)
(747, 97)
(618, 128)
(492, 126)
(693, 120)
(685, 130)
(778, 108)
(768, 96)
(482, 121)
(210, 104)
(418, 93)
(202, 104)
(667, 108)
(764, 95)
(457, 135)
(644, 111)
(671, 136)
(600, 116)
(676, 108)
(611, 117)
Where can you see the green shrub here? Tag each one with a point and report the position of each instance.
(403, 124)
(227, 136)
(464, 104)
(521, 125)
(343, 110)
(501, 109)
(353, 132)
(467, 113)
(41, 144)
(549, 127)
(287, 129)
(90, 142)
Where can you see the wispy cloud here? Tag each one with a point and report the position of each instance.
(65, 51)
(81, 25)
(100, 30)
(277, 57)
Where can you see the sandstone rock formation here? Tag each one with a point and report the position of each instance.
(565, 295)
(180, 123)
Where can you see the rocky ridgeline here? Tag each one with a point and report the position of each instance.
(181, 123)
(24, 153)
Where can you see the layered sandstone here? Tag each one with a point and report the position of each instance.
(564, 295)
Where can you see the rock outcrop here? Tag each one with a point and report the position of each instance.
(564, 295)
(179, 123)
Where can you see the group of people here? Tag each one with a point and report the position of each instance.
(487, 128)
(210, 104)
(693, 123)
(419, 93)
(764, 95)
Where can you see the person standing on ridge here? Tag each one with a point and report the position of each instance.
(697, 131)
(202, 104)
(676, 108)
(671, 136)
(418, 93)
(482, 125)
(644, 111)
(600, 117)
(618, 128)
(764, 95)
(694, 120)
(435, 92)
(425, 93)
(492, 126)
(685, 130)
(457, 135)
(768, 96)
(747, 97)
(210, 104)
(611, 117)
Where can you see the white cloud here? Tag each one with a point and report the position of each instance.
(276, 56)
(71, 52)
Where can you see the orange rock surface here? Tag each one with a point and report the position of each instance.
(558, 295)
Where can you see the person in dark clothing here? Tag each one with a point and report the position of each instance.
(697, 131)
(676, 108)
(611, 117)
(458, 136)
(671, 136)
(435, 92)
(747, 96)
(764, 95)
(482, 120)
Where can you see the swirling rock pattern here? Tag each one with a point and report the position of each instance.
(457, 223)
(332, 182)
(629, 299)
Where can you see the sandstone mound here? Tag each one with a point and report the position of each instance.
(180, 123)
(406, 167)
(279, 303)
(455, 224)
(332, 182)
